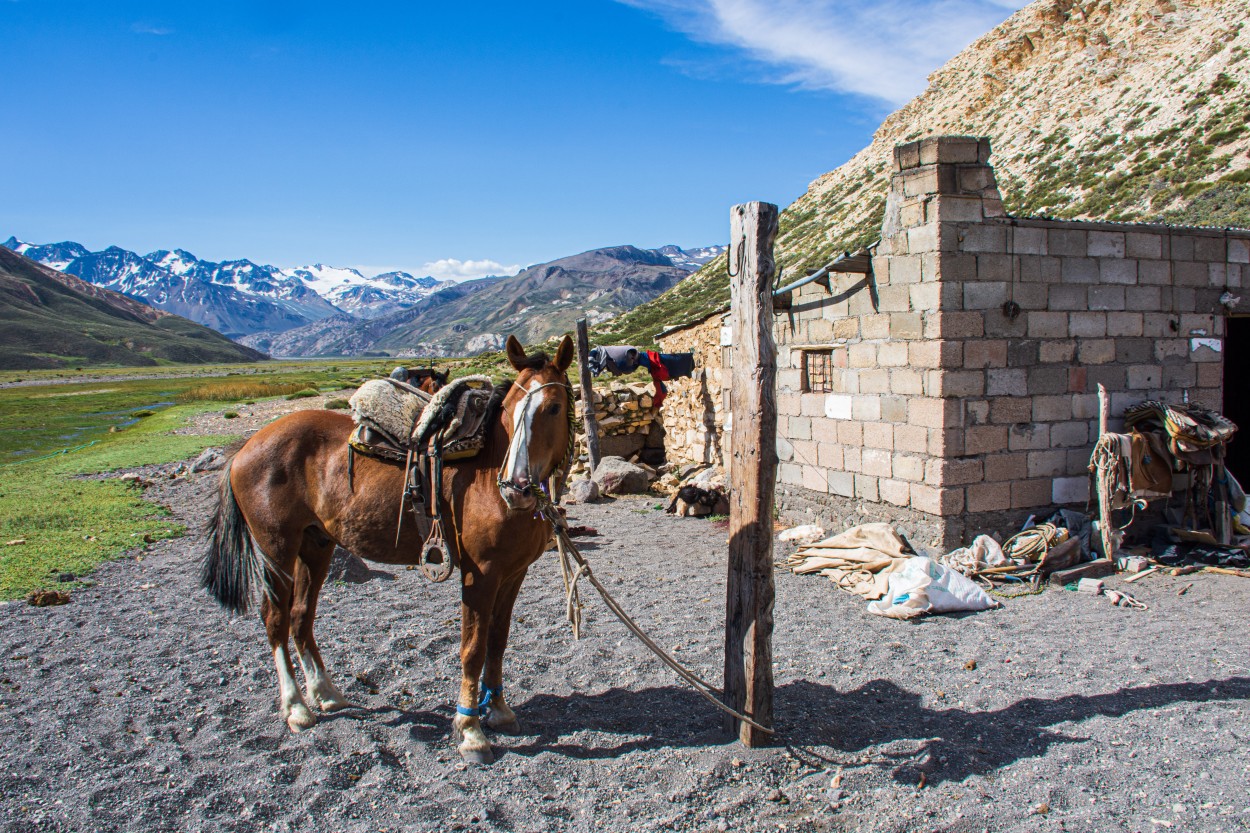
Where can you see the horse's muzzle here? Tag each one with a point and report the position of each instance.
(516, 498)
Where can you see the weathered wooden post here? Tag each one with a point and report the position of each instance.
(588, 396)
(753, 470)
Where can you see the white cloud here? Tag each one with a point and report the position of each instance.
(149, 29)
(883, 50)
(449, 268)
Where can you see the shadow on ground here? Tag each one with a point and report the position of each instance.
(814, 718)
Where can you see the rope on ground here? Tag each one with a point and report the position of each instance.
(49, 456)
(570, 555)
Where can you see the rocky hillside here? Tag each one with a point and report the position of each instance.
(477, 316)
(1131, 110)
(51, 319)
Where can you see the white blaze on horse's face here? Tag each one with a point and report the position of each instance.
(516, 471)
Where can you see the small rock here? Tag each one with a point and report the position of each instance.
(66, 577)
(615, 476)
(16, 542)
(1041, 809)
(47, 598)
(582, 491)
(211, 460)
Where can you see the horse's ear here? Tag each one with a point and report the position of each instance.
(564, 355)
(516, 353)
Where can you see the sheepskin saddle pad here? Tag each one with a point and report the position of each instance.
(392, 417)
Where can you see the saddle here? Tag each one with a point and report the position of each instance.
(396, 422)
(1195, 435)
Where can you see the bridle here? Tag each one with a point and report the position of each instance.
(521, 434)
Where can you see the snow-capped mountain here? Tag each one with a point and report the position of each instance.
(363, 297)
(689, 259)
(56, 255)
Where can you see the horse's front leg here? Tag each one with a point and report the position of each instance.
(477, 604)
(499, 715)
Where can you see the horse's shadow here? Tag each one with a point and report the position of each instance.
(814, 718)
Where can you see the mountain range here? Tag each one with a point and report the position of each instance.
(1133, 110)
(52, 319)
(319, 309)
(476, 316)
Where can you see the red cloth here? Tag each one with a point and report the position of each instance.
(659, 375)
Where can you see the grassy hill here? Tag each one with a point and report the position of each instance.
(50, 319)
(1133, 110)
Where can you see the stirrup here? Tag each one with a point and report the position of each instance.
(436, 561)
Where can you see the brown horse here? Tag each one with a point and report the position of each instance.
(287, 498)
(422, 378)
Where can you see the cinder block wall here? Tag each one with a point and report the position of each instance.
(955, 414)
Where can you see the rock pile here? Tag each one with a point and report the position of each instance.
(629, 425)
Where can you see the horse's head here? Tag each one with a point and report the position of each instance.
(429, 380)
(537, 414)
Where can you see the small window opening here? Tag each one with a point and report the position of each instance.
(817, 371)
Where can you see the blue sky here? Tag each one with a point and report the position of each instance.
(456, 139)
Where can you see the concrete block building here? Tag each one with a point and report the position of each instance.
(953, 387)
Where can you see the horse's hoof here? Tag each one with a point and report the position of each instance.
(477, 755)
(334, 704)
(300, 718)
(506, 727)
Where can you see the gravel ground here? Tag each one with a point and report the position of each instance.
(141, 706)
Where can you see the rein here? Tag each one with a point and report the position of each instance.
(569, 555)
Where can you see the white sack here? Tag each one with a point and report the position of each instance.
(985, 552)
(924, 586)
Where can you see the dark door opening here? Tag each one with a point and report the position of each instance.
(1237, 394)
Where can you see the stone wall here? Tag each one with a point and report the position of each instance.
(693, 411)
(628, 423)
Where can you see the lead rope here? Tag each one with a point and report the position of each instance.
(568, 550)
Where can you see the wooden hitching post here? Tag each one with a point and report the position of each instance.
(588, 396)
(753, 470)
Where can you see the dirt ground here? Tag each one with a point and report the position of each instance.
(141, 706)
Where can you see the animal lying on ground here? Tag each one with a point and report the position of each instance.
(287, 498)
(694, 501)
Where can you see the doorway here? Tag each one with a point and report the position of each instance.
(1237, 393)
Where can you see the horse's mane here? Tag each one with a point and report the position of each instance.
(534, 361)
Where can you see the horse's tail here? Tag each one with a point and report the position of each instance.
(233, 566)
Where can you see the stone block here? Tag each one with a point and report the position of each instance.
(876, 462)
(816, 479)
(879, 435)
(892, 298)
(1189, 273)
(988, 497)
(985, 439)
(1106, 244)
(906, 382)
(1003, 467)
(1028, 436)
(1057, 351)
(876, 380)
(1078, 380)
(1217, 274)
(1087, 325)
(851, 434)
(851, 458)
(937, 501)
(959, 209)
(906, 325)
(1098, 351)
(925, 297)
(1069, 297)
(1052, 408)
(1210, 375)
(790, 474)
(841, 483)
(825, 430)
(935, 353)
(994, 267)
(866, 408)
(1007, 410)
(911, 438)
(892, 354)
(1006, 382)
(1040, 269)
(1210, 249)
(999, 325)
(1143, 245)
(950, 267)
(982, 353)
(838, 406)
(927, 412)
(960, 383)
(829, 456)
(1028, 494)
(985, 295)
(1078, 270)
(922, 238)
(1047, 324)
(984, 237)
(1157, 272)
(1070, 433)
(1110, 377)
(1070, 242)
(905, 270)
(948, 150)
(1023, 352)
(847, 327)
(895, 492)
(1205, 350)
(1121, 324)
(1179, 376)
(946, 442)
(1069, 490)
(863, 355)
(1117, 271)
(1028, 241)
(953, 472)
(799, 428)
(812, 404)
(1045, 380)
(1238, 250)
(1032, 295)
(1106, 297)
(866, 488)
(1047, 463)
(908, 467)
(907, 156)
(1143, 298)
(875, 326)
(1145, 377)
(945, 325)
(1137, 350)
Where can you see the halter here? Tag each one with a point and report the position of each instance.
(522, 430)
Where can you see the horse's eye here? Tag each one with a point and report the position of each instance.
(553, 409)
